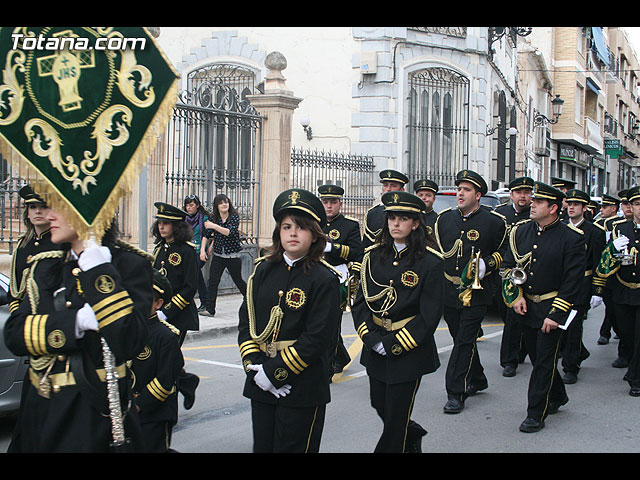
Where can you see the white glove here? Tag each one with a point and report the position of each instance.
(328, 247)
(379, 349)
(595, 301)
(621, 242)
(85, 320)
(482, 269)
(262, 381)
(93, 255)
(161, 315)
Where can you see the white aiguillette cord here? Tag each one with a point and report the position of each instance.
(113, 390)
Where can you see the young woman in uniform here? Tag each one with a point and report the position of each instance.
(74, 296)
(396, 312)
(288, 326)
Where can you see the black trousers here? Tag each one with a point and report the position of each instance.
(545, 384)
(218, 264)
(278, 429)
(340, 355)
(157, 436)
(572, 348)
(394, 404)
(629, 329)
(202, 285)
(609, 322)
(464, 365)
(512, 346)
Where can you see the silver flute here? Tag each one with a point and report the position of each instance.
(113, 394)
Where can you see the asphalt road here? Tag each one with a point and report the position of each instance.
(600, 417)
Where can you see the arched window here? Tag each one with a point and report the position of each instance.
(438, 124)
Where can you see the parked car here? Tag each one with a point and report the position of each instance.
(12, 368)
(446, 198)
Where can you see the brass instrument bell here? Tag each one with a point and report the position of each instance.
(475, 258)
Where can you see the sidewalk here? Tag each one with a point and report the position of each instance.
(225, 321)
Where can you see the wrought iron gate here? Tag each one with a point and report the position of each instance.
(213, 145)
(438, 129)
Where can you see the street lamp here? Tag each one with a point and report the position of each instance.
(556, 109)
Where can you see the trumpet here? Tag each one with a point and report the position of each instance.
(476, 270)
(518, 276)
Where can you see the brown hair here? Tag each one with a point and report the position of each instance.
(316, 251)
(417, 241)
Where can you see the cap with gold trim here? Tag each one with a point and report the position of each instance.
(162, 286)
(547, 192)
(393, 176)
(633, 193)
(622, 195)
(330, 191)
(562, 183)
(521, 182)
(169, 212)
(474, 178)
(425, 184)
(29, 196)
(610, 200)
(575, 195)
(300, 200)
(402, 202)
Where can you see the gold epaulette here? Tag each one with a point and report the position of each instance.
(498, 214)
(575, 229)
(520, 222)
(132, 248)
(435, 252)
(599, 226)
(351, 218)
(259, 259)
(169, 326)
(371, 247)
(191, 244)
(331, 267)
(445, 210)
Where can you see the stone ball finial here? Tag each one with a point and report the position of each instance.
(275, 61)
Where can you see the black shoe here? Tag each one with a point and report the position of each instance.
(570, 378)
(620, 363)
(187, 384)
(472, 388)
(531, 425)
(415, 432)
(634, 392)
(453, 406)
(555, 406)
(509, 371)
(603, 340)
(201, 308)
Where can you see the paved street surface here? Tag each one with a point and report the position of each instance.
(600, 415)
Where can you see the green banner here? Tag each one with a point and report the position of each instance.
(81, 109)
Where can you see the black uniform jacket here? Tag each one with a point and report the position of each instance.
(310, 305)
(346, 243)
(483, 230)
(75, 416)
(625, 281)
(155, 373)
(430, 218)
(511, 215)
(179, 263)
(594, 237)
(373, 222)
(555, 268)
(23, 251)
(416, 291)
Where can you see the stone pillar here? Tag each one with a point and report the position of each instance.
(277, 105)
